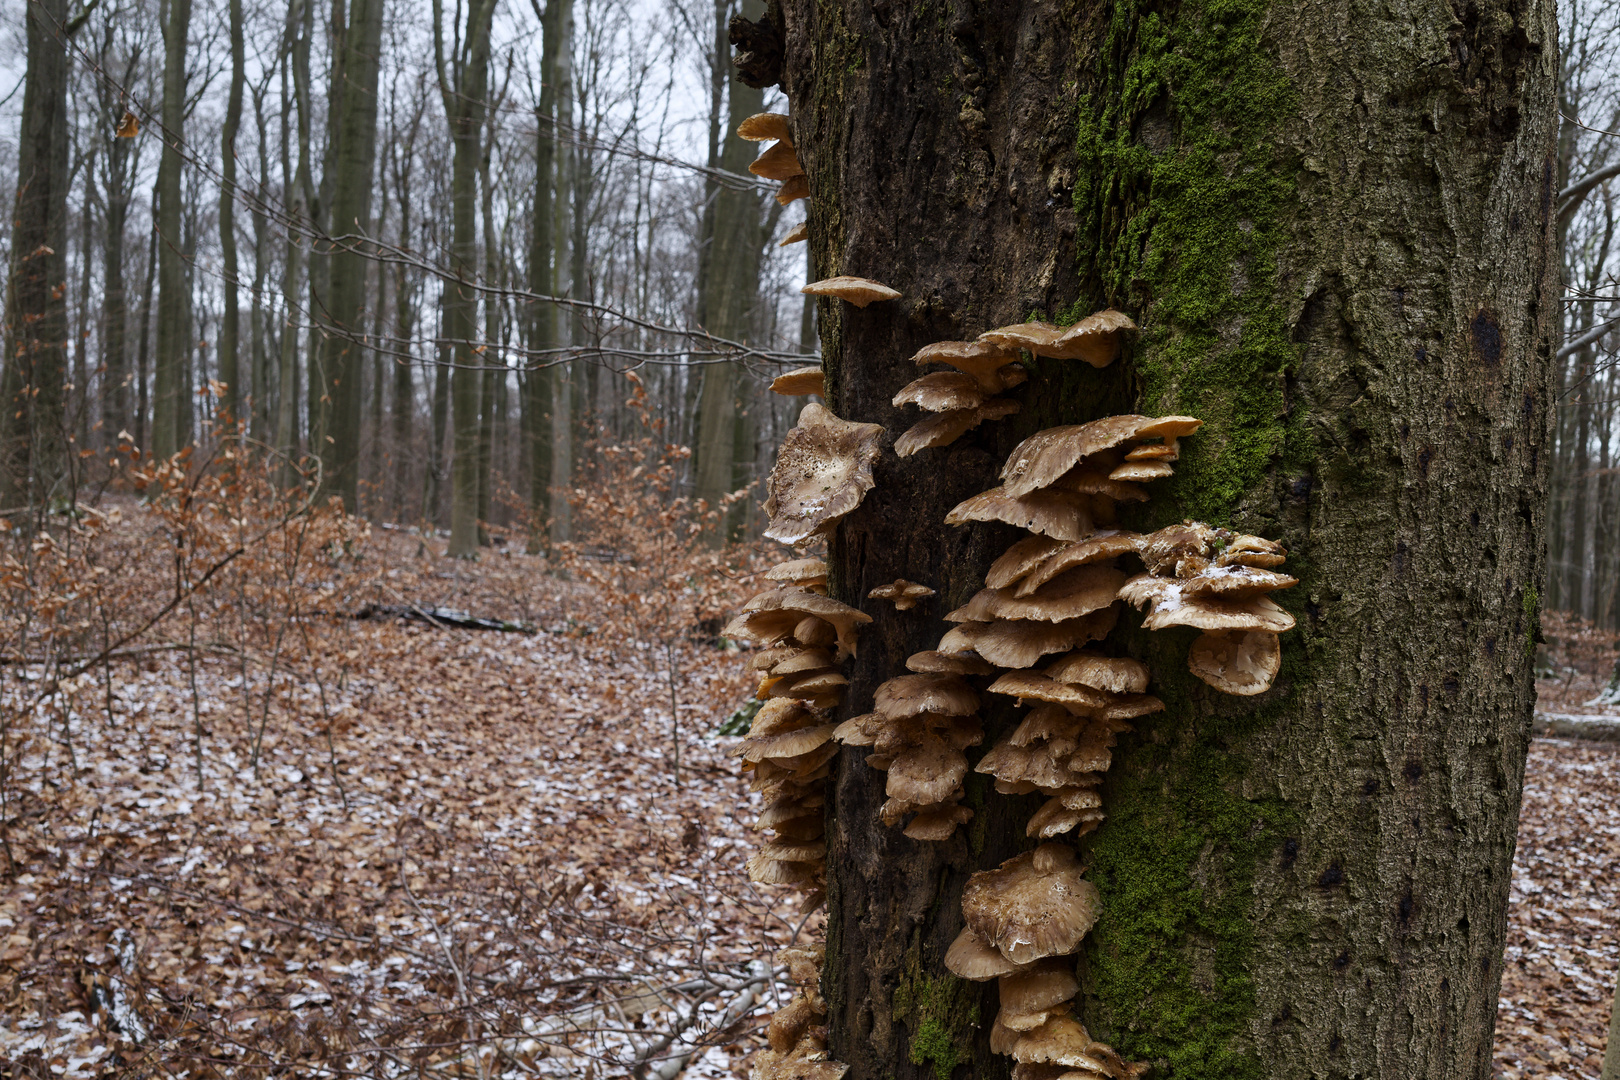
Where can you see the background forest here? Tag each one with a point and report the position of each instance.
(283, 782)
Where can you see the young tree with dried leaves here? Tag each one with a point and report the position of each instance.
(1339, 248)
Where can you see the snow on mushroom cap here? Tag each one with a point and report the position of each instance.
(857, 290)
(1170, 606)
(1033, 906)
(822, 472)
(1041, 459)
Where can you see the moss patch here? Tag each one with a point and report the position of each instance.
(940, 1012)
(1182, 206)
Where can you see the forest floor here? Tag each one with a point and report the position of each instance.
(475, 839)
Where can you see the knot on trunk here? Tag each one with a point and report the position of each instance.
(759, 50)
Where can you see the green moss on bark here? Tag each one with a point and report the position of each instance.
(1183, 206)
(940, 1012)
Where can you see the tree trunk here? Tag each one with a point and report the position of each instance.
(432, 483)
(143, 396)
(33, 455)
(1313, 882)
(114, 296)
(230, 334)
(299, 187)
(539, 386)
(729, 294)
(564, 378)
(170, 406)
(81, 408)
(342, 269)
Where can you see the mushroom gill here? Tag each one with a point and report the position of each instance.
(857, 290)
(800, 381)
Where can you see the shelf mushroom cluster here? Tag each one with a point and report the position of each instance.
(797, 1035)
(1219, 582)
(959, 400)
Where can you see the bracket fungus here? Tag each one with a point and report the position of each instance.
(960, 400)
(778, 162)
(944, 428)
(765, 127)
(1218, 582)
(796, 1038)
(793, 190)
(822, 472)
(796, 235)
(904, 594)
(801, 381)
(857, 290)
(1096, 339)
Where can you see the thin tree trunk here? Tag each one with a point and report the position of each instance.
(81, 407)
(143, 402)
(229, 328)
(540, 385)
(33, 455)
(432, 509)
(298, 186)
(1313, 882)
(564, 418)
(114, 298)
(170, 406)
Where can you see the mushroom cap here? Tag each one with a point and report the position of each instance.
(1059, 514)
(782, 811)
(802, 661)
(938, 823)
(1074, 593)
(1085, 480)
(814, 632)
(941, 391)
(803, 962)
(1023, 557)
(762, 127)
(789, 1023)
(764, 627)
(989, 365)
(1096, 338)
(1241, 662)
(1022, 643)
(1041, 459)
(793, 189)
(1116, 675)
(1181, 550)
(768, 658)
(1098, 547)
(1033, 686)
(798, 602)
(972, 957)
(1059, 728)
(1235, 581)
(857, 290)
(796, 235)
(785, 744)
(1165, 451)
(1142, 470)
(1034, 765)
(1034, 905)
(798, 571)
(1257, 551)
(858, 730)
(1040, 338)
(926, 773)
(775, 717)
(1055, 819)
(940, 663)
(809, 851)
(818, 683)
(1094, 752)
(778, 162)
(800, 381)
(910, 695)
(1047, 983)
(822, 472)
(903, 593)
(1062, 1040)
(768, 871)
(1171, 607)
(944, 428)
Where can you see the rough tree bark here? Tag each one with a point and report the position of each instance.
(33, 452)
(539, 387)
(1338, 246)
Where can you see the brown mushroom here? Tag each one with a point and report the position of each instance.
(1234, 581)
(912, 695)
(796, 235)
(1021, 558)
(944, 428)
(905, 594)
(1168, 605)
(793, 189)
(799, 572)
(941, 663)
(1074, 593)
(973, 958)
(843, 618)
(778, 162)
(994, 368)
(1098, 547)
(817, 633)
(802, 662)
(941, 392)
(1033, 906)
(1045, 984)
(1246, 550)
(789, 1024)
(1062, 1040)
(785, 744)
(939, 823)
(1116, 675)
(857, 290)
(1165, 451)
(1096, 338)
(1241, 662)
(822, 472)
(1060, 515)
(1142, 470)
(1055, 819)
(1040, 460)
(800, 381)
(1038, 337)
(926, 773)
(763, 127)
(1021, 643)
